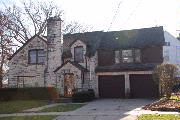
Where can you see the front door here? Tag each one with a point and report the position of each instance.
(68, 85)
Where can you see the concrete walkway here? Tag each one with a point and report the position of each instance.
(38, 109)
(107, 109)
(41, 108)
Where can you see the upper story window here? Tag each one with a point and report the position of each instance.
(37, 56)
(78, 54)
(167, 43)
(128, 56)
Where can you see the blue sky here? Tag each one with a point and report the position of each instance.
(132, 14)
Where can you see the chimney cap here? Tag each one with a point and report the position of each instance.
(55, 18)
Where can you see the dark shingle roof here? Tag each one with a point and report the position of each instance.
(126, 67)
(133, 38)
(117, 39)
(80, 67)
(67, 54)
(91, 39)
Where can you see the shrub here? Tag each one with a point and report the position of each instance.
(165, 75)
(83, 96)
(33, 93)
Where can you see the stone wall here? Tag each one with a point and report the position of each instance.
(68, 68)
(91, 75)
(54, 36)
(30, 74)
(76, 44)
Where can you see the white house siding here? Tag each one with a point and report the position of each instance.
(19, 66)
(171, 53)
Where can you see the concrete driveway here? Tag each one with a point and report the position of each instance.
(108, 109)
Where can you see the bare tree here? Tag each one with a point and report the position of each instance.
(6, 44)
(31, 19)
(74, 27)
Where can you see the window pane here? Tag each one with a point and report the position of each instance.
(137, 55)
(117, 56)
(78, 54)
(127, 53)
(127, 59)
(32, 56)
(41, 56)
(127, 56)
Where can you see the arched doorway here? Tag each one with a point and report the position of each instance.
(69, 84)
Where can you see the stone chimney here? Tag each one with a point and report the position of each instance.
(55, 48)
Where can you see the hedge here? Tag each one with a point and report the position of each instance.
(83, 96)
(31, 93)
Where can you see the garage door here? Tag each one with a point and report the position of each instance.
(143, 86)
(112, 86)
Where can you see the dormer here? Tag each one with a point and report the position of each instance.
(78, 51)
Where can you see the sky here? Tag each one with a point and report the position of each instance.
(132, 14)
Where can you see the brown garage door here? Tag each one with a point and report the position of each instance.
(143, 86)
(112, 86)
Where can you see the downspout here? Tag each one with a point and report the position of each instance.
(46, 68)
(90, 77)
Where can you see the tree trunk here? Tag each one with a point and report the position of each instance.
(1, 79)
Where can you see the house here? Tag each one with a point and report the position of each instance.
(114, 64)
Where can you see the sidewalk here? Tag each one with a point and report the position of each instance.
(135, 112)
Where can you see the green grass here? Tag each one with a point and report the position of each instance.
(63, 108)
(19, 106)
(159, 117)
(29, 118)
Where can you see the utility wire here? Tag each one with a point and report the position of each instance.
(132, 13)
(115, 14)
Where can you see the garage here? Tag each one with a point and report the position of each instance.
(112, 86)
(143, 86)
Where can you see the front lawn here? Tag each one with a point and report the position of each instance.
(29, 118)
(159, 117)
(63, 108)
(19, 106)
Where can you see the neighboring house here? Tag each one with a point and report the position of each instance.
(114, 64)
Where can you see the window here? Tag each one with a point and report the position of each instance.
(37, 56)
(128, 56)
(78, 54)
(137, 55)
(166, 55)
(167, 43)
(117, 56)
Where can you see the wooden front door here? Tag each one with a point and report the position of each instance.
(68, 85)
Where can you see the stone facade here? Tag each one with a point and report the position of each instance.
(90, 78)
(55, 49)
(20, 72)
(23, 74)
(59, 68)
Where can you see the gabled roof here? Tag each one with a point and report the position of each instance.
(80, 67)
(136, 38)
(91, 39)
(75, 41)
(27, 42)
